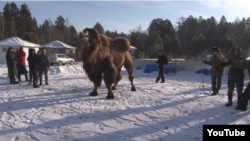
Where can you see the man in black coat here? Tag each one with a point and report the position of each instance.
(11, 64)
(44, 66)
(162, 60)
(34, 67)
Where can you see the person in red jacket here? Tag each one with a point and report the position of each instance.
(21, 55)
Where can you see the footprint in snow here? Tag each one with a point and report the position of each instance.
(203, 120)
(16, 138)
(32, 137)
(99, 127)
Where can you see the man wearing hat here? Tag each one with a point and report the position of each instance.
(243, 102)
(11, 64)
(235, 76)
(216, 70)
(44, 66)
(34, 67)
(162, 60)
(21, 55)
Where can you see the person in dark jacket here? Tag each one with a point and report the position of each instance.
(162, 60)
(235, 76)
(30, 73)
(11, 64)
(38, 55)
(34, 67)
(246, 95)
(21, 55)
(216, 70)
(44, 66)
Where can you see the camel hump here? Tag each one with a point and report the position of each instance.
(120, 44)
(105, 40)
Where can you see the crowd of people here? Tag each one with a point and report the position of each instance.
(38, 65)
(237, 64)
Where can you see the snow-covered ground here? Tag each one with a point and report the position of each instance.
(63, 111)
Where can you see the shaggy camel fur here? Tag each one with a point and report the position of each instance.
(103, 59)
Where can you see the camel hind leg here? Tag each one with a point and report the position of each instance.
(110, 75)
(129, 66)
(118, 78)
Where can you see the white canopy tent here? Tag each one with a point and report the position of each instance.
(15, 42)
(58, 47)
(57, 44)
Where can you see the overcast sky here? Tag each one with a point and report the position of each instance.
(127, 15)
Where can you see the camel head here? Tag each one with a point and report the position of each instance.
(91, 36)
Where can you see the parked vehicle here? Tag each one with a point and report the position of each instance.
(61, 59)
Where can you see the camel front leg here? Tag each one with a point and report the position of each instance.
(94, 92)
(97, 83)
(110, 92)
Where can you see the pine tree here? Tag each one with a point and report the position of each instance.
(60, 23)
(2, 26)
(198, 44)
(11, 16)
(227, 44)
(80, 35)
(99, 28)
(175, 45)
(28, 30)
(154, 44)
(162, 27)
(167, 43)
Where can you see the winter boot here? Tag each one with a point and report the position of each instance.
(230, 102)
(35, 86)
(41, 79)
(241, 109)
(14, 80)
(214, 91)
(157, 79)
(46, 81)
(38, 78)
(11, 80)
(238, 102)
(19, 77)
(26, 77)
(242, 104)
(30, 79)
(217, 90)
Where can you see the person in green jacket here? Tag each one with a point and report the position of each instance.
(216, 70)
(235, 76)
(243, 102)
